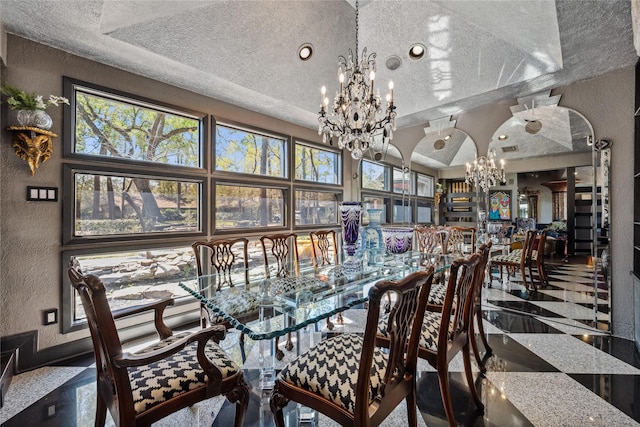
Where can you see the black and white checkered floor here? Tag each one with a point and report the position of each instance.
(552, 366)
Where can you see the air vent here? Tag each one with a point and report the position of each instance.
(510, 149)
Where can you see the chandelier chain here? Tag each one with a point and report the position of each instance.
(357, 28)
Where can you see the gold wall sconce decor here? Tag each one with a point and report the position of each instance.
(32, 144)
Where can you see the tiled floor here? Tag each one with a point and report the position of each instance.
(550, 368)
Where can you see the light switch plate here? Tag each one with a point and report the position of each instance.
(50, 317)
(42, 194)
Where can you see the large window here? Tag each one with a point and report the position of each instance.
(124, 205)
(250, 152)
(317, 165)
(375, 176)
(316, 207)
(239, 206)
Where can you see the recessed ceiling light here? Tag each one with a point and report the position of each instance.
(305, 51)
(393, 62)
(448, 137)
(502, 137)
(416, 51)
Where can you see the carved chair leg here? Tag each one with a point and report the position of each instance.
(330, 324)
(242, 350)
(445, 393)
(412, 414)
(277, 403)
(466, 357)
(483, 335)
(523, 271)
(101, 411)
(279, 353)
(289, 344)
(240, 396)
(474, 347)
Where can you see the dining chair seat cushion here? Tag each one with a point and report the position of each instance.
(429, 334)
(437, 293)
(512, 258)
(516, 252)
(330, 370)
(235, 302)
(286, 285)
(160, 381)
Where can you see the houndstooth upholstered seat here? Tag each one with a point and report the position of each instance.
(160, 381)
(349, 378)
(330, 370)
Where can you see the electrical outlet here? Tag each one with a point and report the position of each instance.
(50, 316)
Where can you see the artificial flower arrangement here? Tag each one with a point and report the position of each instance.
(18, 99)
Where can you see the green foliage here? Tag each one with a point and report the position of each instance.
(18, 99)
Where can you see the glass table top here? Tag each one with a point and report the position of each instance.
(263, 306)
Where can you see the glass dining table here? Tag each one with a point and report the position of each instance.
(264, 307)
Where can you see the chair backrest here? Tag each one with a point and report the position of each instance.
(104, 335)
(484, 251)
(324, 247)
(430, 239)
(527, 248)
(538, 245)
(283, 249)
(222, 255)
(462, 240)
(458, 304)
(404, 325)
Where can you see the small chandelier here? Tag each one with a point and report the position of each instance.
(484, 173)
(356, 114)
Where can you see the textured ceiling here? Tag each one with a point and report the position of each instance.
(245, 52)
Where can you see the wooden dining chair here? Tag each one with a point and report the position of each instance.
(352, 380)
(178, 371)
(461, 240)
(476, 312)
(445, 334)
(429, 240)
(437, 298)
(280, 255)
(517, 259)
(324, 247)
(228, 259)
(537, 260)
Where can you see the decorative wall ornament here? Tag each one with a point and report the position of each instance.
(32, 144)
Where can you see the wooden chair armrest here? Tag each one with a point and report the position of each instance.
(158, 307)
(215, 332)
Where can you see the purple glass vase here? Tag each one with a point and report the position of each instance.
(397, 241)
(350, 215)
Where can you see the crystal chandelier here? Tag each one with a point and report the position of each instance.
(356, 115)
(484, 173)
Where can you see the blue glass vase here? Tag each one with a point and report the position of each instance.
(372, 241)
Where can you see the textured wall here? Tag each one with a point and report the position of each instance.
(30, 232)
